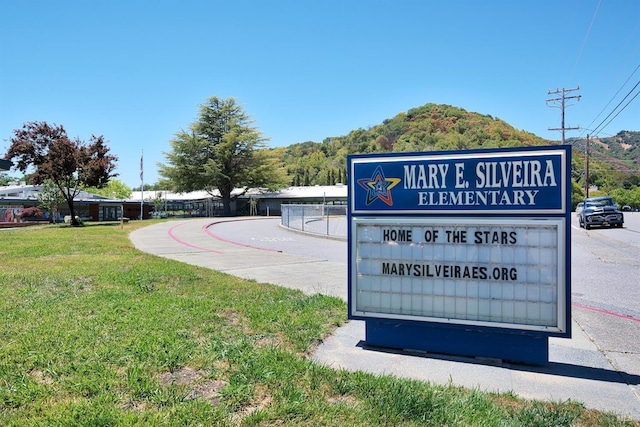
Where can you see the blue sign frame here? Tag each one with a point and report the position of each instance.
(494, 186)
(518, 181)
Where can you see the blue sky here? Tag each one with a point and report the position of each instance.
(136, 71)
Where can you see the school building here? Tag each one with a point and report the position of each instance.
(249, 202)
(92, 207)
(16, 197)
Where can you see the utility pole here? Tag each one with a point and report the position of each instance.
(586, 159)
(562, 99)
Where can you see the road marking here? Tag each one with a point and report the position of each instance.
(273, 239)
(610, 313)
(215, 236)
(182, 242)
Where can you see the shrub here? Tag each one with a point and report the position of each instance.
(32, 212)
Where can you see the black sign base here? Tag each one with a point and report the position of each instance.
(455, 340)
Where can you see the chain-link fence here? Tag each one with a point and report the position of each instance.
(326, 220)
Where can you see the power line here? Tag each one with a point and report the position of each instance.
(586, 37)
(584, 42)
(595, 131)
(606, 166)
(612, 98)
(623, 108)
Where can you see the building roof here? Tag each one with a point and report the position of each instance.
(317, 191)
(170, 195)
(21, 191)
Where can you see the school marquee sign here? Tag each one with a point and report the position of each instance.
(444, 243)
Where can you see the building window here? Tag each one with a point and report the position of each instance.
(110, 213)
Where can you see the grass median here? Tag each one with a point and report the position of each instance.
(95, 333)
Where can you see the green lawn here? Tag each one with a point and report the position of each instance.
(96, 333)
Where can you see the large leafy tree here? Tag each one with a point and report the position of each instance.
(115, 189)
(221, 151)
(70, 164)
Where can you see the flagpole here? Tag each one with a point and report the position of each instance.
(141, 187)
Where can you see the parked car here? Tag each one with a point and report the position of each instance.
(579, 208)
(601, 212)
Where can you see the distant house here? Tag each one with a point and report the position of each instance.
(88, 206)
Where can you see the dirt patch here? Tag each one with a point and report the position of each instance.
(263, 400)
(41, 377)
(182, 376)
(208, 390)
(233, 317)
(268, 341)
(200, 388)
(600, 143)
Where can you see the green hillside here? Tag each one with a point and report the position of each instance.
(617, 156)
(614, 162)
(427, 128)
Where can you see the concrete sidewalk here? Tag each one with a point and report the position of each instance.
(577, 369)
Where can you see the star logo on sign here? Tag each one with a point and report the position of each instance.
(379, 187)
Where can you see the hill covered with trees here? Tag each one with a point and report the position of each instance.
(614, 162)
(427, 128)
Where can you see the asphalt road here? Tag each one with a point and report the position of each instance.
(605, 288)
(606, 266)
